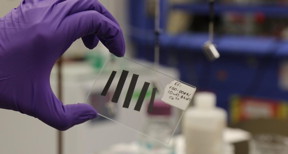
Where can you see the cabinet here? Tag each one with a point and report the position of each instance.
(249, 65)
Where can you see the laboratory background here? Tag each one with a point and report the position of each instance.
(228, 56)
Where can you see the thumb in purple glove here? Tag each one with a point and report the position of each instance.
(32, 38)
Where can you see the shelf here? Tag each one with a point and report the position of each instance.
(225, 44)
(269, 10)
(246, 45)
(283, 49)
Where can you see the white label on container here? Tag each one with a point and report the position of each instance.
(178, 94)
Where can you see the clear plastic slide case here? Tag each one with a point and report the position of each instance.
(124, 86)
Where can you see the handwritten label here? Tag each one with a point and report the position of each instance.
(178, 94)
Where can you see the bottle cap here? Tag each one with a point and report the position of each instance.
(205, 100)
(160, 108)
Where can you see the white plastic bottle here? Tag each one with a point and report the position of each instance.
(203, 126)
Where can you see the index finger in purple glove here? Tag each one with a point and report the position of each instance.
(91, 40)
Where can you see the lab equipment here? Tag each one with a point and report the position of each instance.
(209, 48)
(32, 37)
(211, 51)
(203, 126)
(126, 90)
(269, 144)
(157, 126)
(157, 32)
(245, 108)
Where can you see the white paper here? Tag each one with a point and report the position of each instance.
(178, 94)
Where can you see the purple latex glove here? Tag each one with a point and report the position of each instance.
(32, 38)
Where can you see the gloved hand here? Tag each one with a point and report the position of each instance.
(32, 37)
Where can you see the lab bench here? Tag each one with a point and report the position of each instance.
(231, 137)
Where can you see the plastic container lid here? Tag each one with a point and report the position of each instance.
(205, 100)
(160, 108)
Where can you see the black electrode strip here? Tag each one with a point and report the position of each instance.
(119, 87)
(151, 104)
(142, 96)
(130, 90)
(108, 84)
